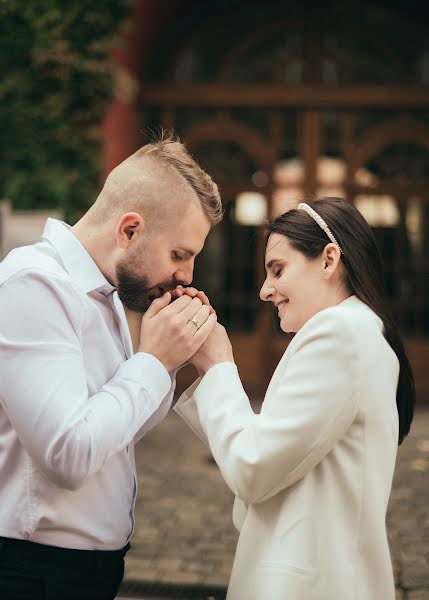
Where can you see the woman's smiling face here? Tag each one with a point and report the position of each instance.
(296, 285)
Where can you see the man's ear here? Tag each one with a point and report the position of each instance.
(129, 229)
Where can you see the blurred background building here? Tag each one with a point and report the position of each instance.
(279, 101)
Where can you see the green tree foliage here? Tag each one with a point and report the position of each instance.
(56, 81)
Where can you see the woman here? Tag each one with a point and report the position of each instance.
(312, 472)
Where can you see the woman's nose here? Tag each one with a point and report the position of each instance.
(266, 292)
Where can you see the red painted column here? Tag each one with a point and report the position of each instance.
(121, 124)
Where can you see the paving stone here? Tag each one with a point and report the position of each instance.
(415, 572)
(418, 595)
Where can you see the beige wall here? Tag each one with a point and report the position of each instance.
(20, 228)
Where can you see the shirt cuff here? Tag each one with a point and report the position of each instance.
(148, 371)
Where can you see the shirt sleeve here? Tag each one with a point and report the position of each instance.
(310, 408)
(43, 387)
(159, 413)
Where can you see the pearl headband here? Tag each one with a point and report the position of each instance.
(322, 224)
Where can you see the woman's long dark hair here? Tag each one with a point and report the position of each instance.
(364, 268)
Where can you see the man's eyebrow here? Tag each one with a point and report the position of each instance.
(189, 252)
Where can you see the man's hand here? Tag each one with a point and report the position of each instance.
(216, 349)
(192, 292)
(174, 332)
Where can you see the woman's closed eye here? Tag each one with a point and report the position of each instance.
(278, 273)
(177, 256)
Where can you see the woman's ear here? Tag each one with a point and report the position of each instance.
(331, 258)
(129, 228)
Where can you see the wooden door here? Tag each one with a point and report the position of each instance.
(250, 92)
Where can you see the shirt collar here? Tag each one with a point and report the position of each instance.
(76, 259)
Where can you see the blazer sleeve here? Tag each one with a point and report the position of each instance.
(308, 410)
(187, 409)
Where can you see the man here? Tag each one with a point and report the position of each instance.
(73, 396)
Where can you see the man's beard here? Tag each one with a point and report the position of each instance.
(135, 292)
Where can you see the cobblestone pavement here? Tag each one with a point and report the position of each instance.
(184, 533)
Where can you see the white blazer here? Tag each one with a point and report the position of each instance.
(312, 472)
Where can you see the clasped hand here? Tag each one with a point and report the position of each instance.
(180, 327)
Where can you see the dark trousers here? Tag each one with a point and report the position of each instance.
(30, 571)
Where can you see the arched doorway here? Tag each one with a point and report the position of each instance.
(249, 90)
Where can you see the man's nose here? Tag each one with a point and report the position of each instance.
(184, 276)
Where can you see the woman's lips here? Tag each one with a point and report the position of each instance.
(279, 306)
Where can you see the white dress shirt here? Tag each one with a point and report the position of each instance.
(73, 398)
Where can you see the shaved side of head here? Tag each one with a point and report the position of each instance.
(159, 181)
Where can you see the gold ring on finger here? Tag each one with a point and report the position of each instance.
(195, 322)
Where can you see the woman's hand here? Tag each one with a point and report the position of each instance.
(216, 349)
